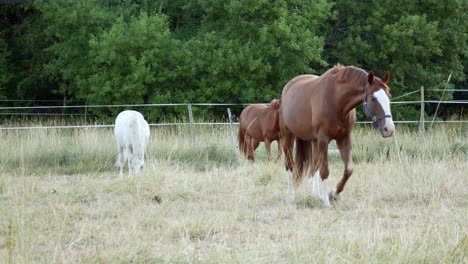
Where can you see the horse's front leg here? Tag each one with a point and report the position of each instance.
(254, 146)
(130, 160)
(345, 147)
(322, 161)
(121, 160)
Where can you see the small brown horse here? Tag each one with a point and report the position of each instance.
(258, 123)
(315, 110)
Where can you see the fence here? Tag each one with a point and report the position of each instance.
(192, 123)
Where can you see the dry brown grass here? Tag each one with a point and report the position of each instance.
(206, 208)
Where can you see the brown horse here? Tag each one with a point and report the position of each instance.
(315, 110)
(258, 123)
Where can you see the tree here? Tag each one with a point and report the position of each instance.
(420, 43)
(238, 52)
(246, 51)
(22, 29)
(137, 51)
(132, 62)
(4, 73)
(70, 25)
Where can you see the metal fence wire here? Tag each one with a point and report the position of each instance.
(16, 111)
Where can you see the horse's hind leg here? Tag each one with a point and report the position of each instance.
(315, 169)
(121, 160)
(345, 147)
(268, 148)
(130, 158)
(287, 144)
(280, 149)
(254, 145)
(249, 147)
(322, 163)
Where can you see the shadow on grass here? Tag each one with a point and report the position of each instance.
(308, 202)
(200, 157)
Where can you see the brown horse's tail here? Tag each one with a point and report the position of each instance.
(241, 140)
(303, 155)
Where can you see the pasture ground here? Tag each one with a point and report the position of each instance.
(61, 201)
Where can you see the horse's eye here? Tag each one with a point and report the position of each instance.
(373, 98)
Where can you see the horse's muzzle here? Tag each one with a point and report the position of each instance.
(388, 128)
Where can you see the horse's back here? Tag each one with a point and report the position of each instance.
(130, 125)
(297, 112)
(297, 80)
(251, 113)
(126, 115)
(257, 121)
(307, 108)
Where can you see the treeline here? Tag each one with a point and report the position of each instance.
(181, 51)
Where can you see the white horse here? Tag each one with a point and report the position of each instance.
(132, 134)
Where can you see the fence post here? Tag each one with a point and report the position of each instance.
(234, 141)
(86, 111)
(440, 100)
(192, 126)
(421, 118)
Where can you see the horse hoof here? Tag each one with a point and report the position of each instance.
(333, 195)
(326, 203)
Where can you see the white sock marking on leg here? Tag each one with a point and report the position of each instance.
(315, 183)
(324, 197)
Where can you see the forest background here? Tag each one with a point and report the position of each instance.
(240, 51)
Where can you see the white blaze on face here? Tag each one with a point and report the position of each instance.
(384, 102)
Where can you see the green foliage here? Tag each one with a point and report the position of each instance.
(132, 62)
(23, 29)
(420, 43)
(70, 25)
(4, 74)
(128, 52)
(250, 49)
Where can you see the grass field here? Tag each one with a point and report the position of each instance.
(61, 201)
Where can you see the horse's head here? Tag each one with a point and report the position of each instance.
(275, 104)
(377, 103)
(138, 166)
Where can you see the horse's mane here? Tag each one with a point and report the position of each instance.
(352, 74)
(343, 73)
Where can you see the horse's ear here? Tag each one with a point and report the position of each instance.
(386, 77)
(370, 77)
(275, 104)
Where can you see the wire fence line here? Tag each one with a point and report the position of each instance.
(447, 90)
(167, 105)
(197, 124)
(43, 114)
(182, 123)
(189, 107)
(34, 101)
